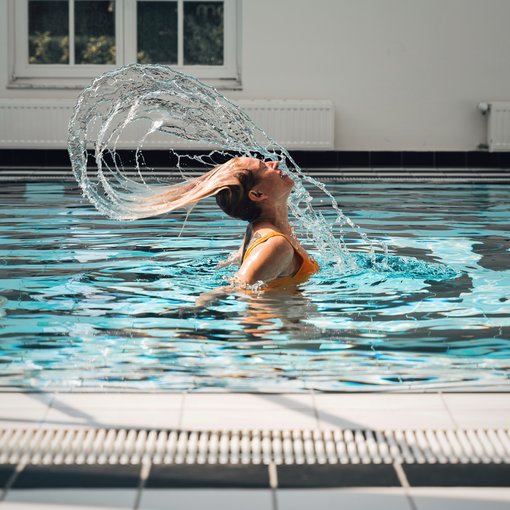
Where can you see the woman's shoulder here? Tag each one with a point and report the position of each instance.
(264, 233)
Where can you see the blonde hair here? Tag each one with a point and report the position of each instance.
(156, 200)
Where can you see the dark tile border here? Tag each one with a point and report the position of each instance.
(208, 475)
(48, 158)
(337, 475)
(386, 159)
(419, 159)
(483, 160)
(255, 476)
(353, 159)
(457, 475)
(6, 472)
(60, 476)
(451, 159)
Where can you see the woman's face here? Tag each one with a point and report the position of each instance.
(271, 180)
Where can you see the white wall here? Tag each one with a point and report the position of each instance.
(403, 74)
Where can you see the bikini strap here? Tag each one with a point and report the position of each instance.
(264, 238)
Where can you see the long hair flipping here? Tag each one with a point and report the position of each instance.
(230, 182)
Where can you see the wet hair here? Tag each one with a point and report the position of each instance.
(234, 200)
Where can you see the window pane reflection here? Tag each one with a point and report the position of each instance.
(157, 32)
(203, 33)
(48, 38)
(95, 32)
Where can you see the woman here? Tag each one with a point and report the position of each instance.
(270, 252)
(254, 191)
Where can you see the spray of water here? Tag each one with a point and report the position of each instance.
(157, 100)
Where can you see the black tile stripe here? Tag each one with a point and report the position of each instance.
(418, 159)
(386, 159)
(59, 158)
(60, 476)
(6, 472)
(457, 475)
(208, 475)
(255, 476)
(337, 475)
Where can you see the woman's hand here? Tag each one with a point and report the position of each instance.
(233, 258)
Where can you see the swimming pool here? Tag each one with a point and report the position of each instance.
(91, 303)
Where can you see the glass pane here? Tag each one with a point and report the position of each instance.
(94, 25)
(157, 32)
(48, 38)
(203, 33)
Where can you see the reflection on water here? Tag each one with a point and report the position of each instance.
(91, 303)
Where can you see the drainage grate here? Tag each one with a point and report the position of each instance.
(338, 446)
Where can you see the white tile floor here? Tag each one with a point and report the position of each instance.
(355, 499)
(69, 499)
(382, 411)
(262, 499)
(495, 405)
(461, 498)
(238, 411)
(23, 409)
(207, 499)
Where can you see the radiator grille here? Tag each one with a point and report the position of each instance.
(498, 125)
(295, 124)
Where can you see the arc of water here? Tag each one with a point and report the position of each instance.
(181, 106)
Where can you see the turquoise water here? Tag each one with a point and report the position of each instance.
(92, 303)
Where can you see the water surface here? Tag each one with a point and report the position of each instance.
(91, 303)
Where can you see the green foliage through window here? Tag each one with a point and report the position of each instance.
(48, 39)
(203, 33)
(157, 32)
(158, 37)
(94, 32)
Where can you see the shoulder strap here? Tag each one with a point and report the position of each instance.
(262, 239)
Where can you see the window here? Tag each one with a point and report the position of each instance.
(67, 42)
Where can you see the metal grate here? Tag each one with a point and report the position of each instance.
(338, 446)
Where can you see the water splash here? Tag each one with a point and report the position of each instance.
(141, 101)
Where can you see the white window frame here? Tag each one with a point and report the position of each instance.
(26, 75)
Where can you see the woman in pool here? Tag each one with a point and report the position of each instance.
(270, 251)
(255, 191)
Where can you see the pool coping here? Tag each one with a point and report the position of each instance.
(207, 411)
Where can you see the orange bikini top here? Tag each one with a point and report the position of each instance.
(308, 267)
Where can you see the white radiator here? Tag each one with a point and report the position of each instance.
(498, 124)
(42, 124)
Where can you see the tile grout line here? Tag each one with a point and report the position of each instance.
(48, 409)
(450, 414)
(273, 484)
(315, 410)
(181, 411)
(273, 475)
(404, 482)
(144, 475)
(7, 487)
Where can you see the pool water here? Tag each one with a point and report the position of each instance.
(91, 303)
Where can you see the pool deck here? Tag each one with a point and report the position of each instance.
(217, 411)
(220, 411)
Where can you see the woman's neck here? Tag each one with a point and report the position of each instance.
(278, 217)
